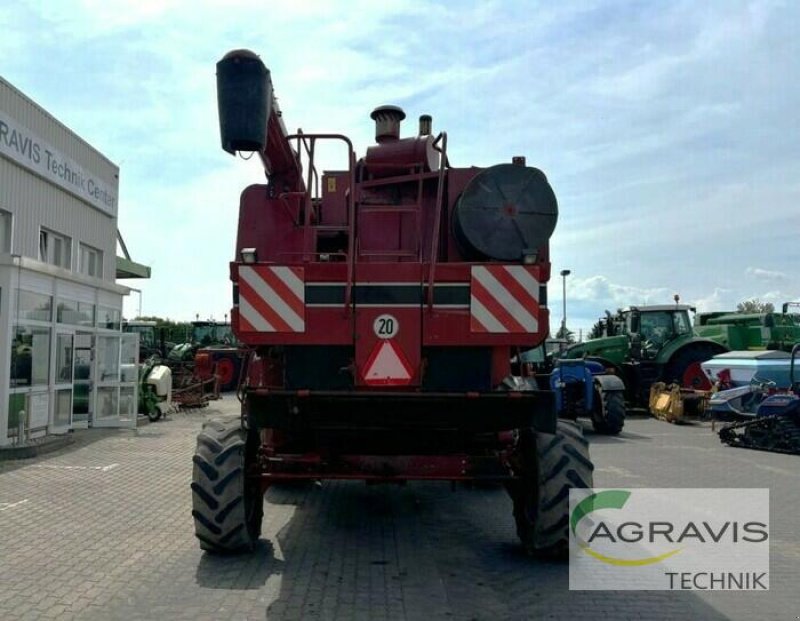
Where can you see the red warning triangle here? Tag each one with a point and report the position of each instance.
(387, 366)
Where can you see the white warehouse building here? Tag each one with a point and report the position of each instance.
(64, 361)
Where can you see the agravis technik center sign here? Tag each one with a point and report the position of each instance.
(25, 148)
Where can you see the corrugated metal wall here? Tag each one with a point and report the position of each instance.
(36, 202)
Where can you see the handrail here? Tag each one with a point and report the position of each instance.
(350, 199)
(309, 204)
(420, 242)
(301, 139)
(351, 235)
(438, 215)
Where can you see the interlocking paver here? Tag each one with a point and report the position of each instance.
(105, 533)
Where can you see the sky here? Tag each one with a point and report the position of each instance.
(668, 130)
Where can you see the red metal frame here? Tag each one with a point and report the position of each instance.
(400, 257)
(455, 467)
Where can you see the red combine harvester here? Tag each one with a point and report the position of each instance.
(383, 304)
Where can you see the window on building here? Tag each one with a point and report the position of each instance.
(91, 263)
(34, 306)
(55, 249)
(5, 231)
(67, 311)
(64, 358)
(109, 318)
(62, 414)
(108, 358)
(76, 313)
(30, 356)
(107, 402)
(86, 313)
(16, 407)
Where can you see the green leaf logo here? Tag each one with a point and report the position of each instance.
(609, 499)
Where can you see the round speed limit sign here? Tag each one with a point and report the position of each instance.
(385, 326)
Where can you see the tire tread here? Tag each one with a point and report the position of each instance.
(219, 490)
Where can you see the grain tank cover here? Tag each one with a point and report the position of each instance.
(244, 100)
(504, 213)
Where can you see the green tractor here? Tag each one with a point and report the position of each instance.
(212, 349)
(649, 344)
(151, 338)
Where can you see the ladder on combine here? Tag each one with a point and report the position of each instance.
(358, 206)
(414, 208)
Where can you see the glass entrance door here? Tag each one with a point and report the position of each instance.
(63, 380)
(83, 379)
(129, 379)
(107, 384)
(117, 380)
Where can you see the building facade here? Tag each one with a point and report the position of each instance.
(64, 362)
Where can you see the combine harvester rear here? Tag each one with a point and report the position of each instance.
(383, 302)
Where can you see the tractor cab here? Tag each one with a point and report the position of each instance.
(652, 327)
(205, 333)
(148, 341)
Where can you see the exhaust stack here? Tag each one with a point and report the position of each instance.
(425, 125)
(387, 123)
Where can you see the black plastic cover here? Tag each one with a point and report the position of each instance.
(244, 100)
(505, 212)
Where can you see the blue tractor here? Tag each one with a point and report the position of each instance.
(583, 388)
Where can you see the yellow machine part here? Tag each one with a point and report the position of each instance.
(666, 402)
(669, 402)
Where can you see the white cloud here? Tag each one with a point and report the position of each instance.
(599, 288)
(668, 131)
(765, 275)
(717, 300)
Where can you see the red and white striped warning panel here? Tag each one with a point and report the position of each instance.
(503, 299)
(271, 298)
(387, 366)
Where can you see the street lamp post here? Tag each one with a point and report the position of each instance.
(564, 274)
(139, 291)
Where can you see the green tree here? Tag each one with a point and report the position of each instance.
(755, 305)
(566, 334)
(598, 329)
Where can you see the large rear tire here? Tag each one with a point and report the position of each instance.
(608, 413)
(556, 463)
(684, 368)
(227, 507)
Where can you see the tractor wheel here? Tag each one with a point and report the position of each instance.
(684, 368)
(608, 413)
(555, 463)
(226, 506)
(153, 414)
(149, 403)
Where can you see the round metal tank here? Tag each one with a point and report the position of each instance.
(395, 157)
(504, 213)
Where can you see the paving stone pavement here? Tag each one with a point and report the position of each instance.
(103, 530)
